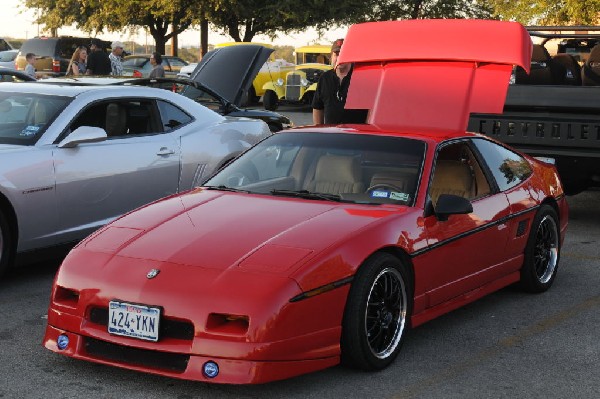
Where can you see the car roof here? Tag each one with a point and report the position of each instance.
(66, 89)
(431, 136)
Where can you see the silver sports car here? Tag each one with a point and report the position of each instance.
(73, 158)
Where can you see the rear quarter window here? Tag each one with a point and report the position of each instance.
(509, 168)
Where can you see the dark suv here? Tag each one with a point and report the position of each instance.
(52, 54)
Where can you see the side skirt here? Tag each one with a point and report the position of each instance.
(468, 297)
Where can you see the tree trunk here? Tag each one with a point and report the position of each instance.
(160, 43)
(203, 37)
(174, 44)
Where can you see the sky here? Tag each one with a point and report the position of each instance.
(18, 22)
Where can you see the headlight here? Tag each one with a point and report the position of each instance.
(304, 82)
(279, 82)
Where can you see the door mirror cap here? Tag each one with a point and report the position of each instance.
(448, 204)
(83, 134)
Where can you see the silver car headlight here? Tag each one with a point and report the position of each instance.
(304, 82)
(279, 82)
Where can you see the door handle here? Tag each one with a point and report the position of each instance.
(164, 151)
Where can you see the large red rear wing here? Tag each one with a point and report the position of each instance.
(431, 74)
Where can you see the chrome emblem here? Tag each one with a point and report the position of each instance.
(152, 273)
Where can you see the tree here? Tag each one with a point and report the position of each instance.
(549, 12)
(243, 19)
(163, 18)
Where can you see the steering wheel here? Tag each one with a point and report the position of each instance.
(386, 186)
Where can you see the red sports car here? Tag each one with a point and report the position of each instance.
(326, 244)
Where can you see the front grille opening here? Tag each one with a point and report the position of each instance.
(175, 362)
(169, 328)
(66, 296)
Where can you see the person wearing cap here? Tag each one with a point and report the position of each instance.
(115, 58)
(98, 62)
(332, 90)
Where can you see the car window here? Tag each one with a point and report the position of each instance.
(367, 169)
(176, 64)
(508, 167)
(135, 61)
(24, 117)
(172, 117)
(68, 45)
(4, 45)
(457, 171)
(120, 118)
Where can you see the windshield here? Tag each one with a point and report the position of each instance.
(25, 116)
(328, 166)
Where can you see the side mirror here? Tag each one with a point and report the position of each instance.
(81, 135)
(448, 204)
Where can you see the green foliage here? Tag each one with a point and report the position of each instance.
(548, 12)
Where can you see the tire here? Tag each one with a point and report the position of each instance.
(6, 245)
(542, 252)
(377, 313)
(270, 100)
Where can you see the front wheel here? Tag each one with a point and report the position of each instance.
(376, 315)
(270, 100)
(542, 252)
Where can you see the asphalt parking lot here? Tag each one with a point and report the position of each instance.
(507, 345)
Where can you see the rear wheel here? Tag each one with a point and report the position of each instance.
(270, 100)
(376, 314)
(6, 247)
(542, 252)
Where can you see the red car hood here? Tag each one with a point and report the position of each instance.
(219, 230)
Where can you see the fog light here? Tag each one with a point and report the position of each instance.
(210, 369)
(62, 342)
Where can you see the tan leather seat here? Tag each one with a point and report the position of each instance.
(451, 177)
(40, 116)
(400, 181)
(336, 174)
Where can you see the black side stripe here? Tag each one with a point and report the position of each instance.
(474, 231)
(322, 289)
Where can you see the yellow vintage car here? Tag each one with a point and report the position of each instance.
(298, 86)
(271, 71)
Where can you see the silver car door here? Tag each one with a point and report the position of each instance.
(97, 182)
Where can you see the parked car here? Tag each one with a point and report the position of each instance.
(7, 58)
(225, 79)
(11, 75)
(272, 70)
(322, 244)
(186, 71)
(52, 54)
(139, 65)
(298, 85)
(76, 157)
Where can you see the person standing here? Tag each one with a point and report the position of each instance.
(115, 58)
(332, 90)
(29, 68)
(98, 62)
(78, 64)
(158, 71)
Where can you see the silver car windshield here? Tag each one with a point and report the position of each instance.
(360, 168)
(24, 117)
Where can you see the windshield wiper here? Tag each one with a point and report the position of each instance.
(308, 195)
(225, 188)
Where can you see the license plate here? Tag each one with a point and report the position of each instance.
(133, 320)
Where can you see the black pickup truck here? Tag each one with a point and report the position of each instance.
(555, 110)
